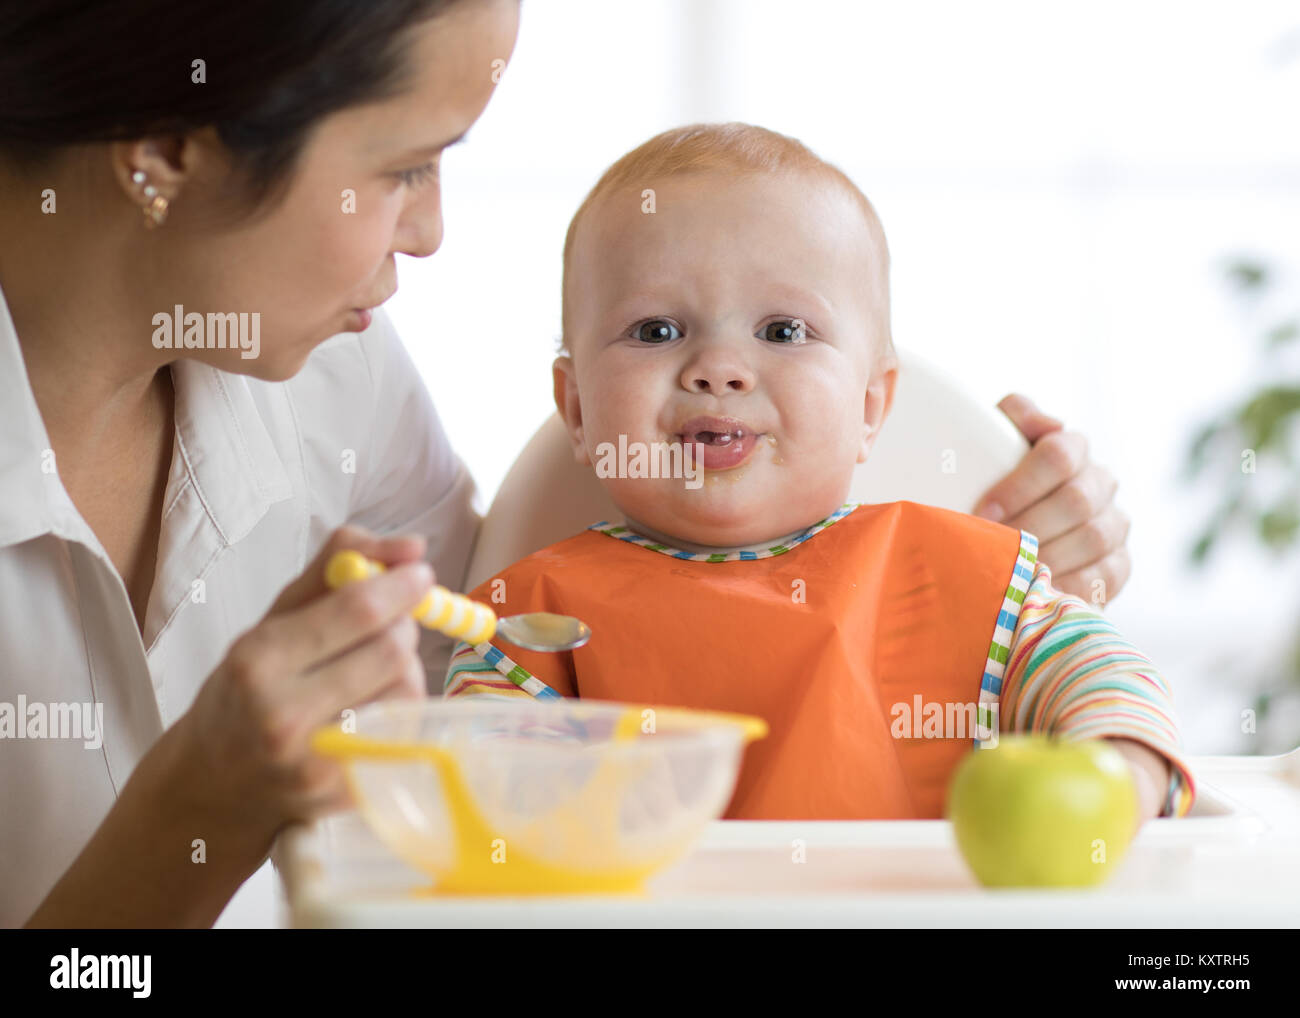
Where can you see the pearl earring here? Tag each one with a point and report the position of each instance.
(155, 212)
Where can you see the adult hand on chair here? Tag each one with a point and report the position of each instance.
(1068, 502)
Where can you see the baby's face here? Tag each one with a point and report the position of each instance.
(736, 315)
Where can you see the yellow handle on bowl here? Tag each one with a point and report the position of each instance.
(441, 609)
(629, 724)
(332, 741)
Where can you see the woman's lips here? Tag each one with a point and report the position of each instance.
(724, 442)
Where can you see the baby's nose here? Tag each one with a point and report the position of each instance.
(717, 375)
(718, 384)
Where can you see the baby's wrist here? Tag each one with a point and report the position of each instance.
(1150, 773)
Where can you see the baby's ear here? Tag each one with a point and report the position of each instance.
(565, 383)
(879, 398)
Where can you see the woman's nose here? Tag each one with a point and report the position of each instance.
(420, 231)
(717, 370)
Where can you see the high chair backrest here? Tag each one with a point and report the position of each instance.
(939, 446)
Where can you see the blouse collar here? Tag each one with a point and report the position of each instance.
(221, 445)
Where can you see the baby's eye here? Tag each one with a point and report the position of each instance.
(787, 330)
(658, 330)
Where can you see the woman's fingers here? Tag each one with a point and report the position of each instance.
(1027, 482)
(387, 661)
(1099, 582)
(1028, 419)
(339, 620)
(354, 678)
(320, 787)
(1053, 461)
(415, 683)
(1065, 500)
(1082, 498)
(411, 684)
(311, 584)
(1088, 543)
(289, 709)
(317, 652)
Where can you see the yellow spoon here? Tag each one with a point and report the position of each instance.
(471, 621)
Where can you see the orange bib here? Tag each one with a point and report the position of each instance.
(865, 646)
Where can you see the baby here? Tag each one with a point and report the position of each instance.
(726, 298)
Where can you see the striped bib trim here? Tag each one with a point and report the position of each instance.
(622, 533)
(986, 730)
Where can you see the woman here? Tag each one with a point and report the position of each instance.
(162, 480)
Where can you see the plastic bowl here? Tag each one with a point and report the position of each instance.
(570, 796)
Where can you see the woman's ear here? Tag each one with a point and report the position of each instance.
(565, 384)
(879, 399)
(167, 162)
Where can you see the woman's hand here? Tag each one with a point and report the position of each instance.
(316, 653)
(1068, 502)
(202, 808)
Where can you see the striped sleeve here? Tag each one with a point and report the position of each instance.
(484, 670)
(469, 675)
(1070, 673)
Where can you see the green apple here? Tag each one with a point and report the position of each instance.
(1037, 812)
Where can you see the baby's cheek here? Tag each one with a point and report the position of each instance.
(825, 434)
(817, 407)
(624, 406)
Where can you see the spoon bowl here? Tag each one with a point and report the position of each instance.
(544, 631)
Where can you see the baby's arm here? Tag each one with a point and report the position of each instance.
(1150, 772)
(470, 675)
(486, 671)
(1070, 674)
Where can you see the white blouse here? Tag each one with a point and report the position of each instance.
(261, 474)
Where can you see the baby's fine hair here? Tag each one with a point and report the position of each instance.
(737, 148)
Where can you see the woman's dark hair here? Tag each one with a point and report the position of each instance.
(77, 71)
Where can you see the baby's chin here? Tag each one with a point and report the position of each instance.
(717, 514)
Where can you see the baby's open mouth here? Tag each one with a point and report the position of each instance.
(725, 442)
(717, 437)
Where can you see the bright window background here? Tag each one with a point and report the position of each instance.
(1061, 187)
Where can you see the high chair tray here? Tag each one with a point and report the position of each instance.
(1234, 862)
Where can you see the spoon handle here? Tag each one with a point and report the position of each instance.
(441, 609)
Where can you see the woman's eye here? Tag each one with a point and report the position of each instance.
(419, 175)
(789, 330)
(658, 330)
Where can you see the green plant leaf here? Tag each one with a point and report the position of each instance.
(1198, 451)
(1283, 333)
(1204, 544)
(1261, 416)
(1247, 274)
(1277, 527)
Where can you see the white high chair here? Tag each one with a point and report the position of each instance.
(939, 446)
